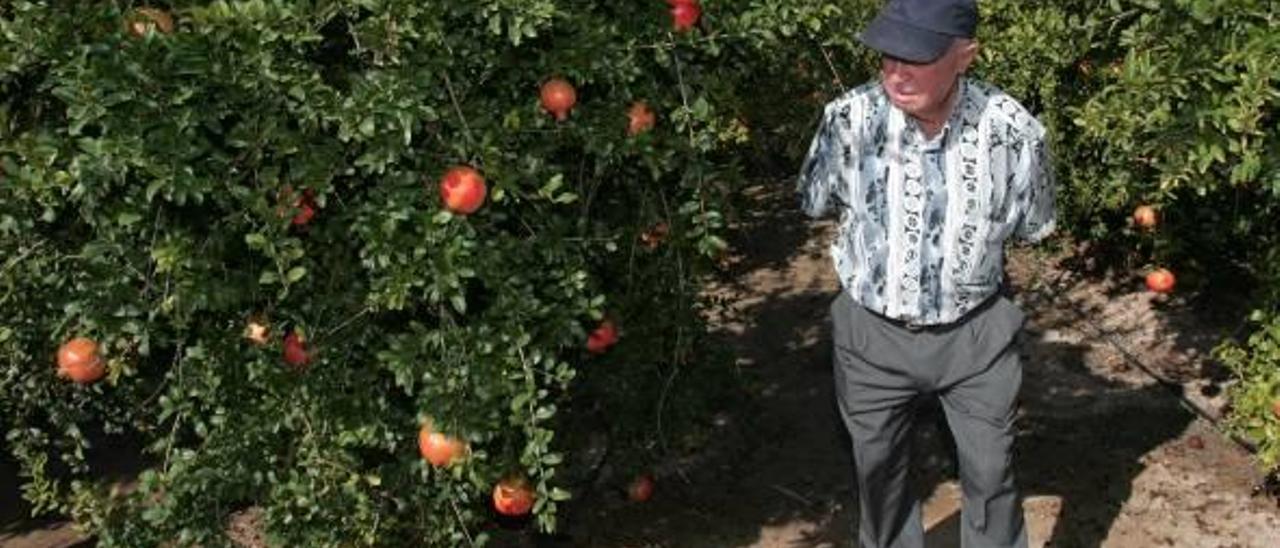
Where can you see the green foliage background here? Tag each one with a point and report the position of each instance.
(144, 203)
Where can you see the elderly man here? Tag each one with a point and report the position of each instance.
(931, 172)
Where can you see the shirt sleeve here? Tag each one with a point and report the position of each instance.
(822, 174)
(1037, 194)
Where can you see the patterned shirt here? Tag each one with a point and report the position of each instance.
(923, 222)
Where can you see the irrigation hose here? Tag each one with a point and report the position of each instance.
(1173, 387)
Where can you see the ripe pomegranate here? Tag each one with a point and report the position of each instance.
(306, 206)
(639, 118)
(513, 496)
(654, 236)
(684, 14)
(1275, 408)
(641, 488)
(1145, 216)
(558, 97)
(437, 448)
(144, 20)
(303, 207)
(1160, 280)
(462, 190)
(602, 337)
(295, 350)
(78, 360)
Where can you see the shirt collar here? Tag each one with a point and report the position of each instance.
(917, 134)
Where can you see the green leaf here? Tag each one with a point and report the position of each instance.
(255, 240)
(127, 218)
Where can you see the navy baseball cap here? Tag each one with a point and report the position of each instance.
(920, 31)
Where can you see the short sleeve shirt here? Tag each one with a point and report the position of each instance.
(923, 223)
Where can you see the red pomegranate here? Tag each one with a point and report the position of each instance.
(463, 190)
(1160, 280)
(684, 14)
(558, 97)
(78, 360)
(639, 118)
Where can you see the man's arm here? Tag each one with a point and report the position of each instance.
(1037, 192)
(823, 177)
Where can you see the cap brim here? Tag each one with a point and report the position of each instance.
(898, 39)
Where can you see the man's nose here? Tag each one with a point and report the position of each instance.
(893, 67)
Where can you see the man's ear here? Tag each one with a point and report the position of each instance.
(968, 53)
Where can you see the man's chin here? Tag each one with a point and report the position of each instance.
(909, 104)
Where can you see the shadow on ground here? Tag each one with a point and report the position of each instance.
(783, 476)
(114, 460)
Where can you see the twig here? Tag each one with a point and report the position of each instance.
(662, 398)
(532, 382)
(461, 522)
(345, 323)
(14, 261)
(684, 98)
(794, 495)
(832, 66)
(151, 270)
(173, 432)
(684, 94)
(675, 361)
(672, 45)
(177, 356)
(457, 107)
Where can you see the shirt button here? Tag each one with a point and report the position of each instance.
(913, 170)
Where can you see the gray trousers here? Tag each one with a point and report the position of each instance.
(881, 368)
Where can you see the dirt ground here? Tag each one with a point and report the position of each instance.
(1106, 454)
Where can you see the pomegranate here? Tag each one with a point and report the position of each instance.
(1160, 280)
(513, 496)
(684, 14)
(558, 97)
(303, 207)
(257, 331)
(639, 118)
(439, 449)
(1145, 216)
(655, 235)
(78, 360)
(295, 350)
(144, 20)
(602, 337)
(306, 206)
(462, 189)
(641, 488)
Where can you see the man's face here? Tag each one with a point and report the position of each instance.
(922, 90)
